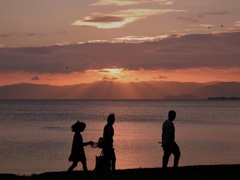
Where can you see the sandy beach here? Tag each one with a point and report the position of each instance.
(206, 172)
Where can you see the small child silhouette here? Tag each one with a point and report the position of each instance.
(77, 152)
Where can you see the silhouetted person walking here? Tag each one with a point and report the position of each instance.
(168, 141)
(108, 150)
(77, 152)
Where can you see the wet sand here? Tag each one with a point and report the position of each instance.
(208, 172)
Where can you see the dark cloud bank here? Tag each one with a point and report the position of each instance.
(190, 51)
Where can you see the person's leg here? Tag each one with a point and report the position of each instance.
(107, 156)
(84, 165)
(166, 155)
(74, 164)
(85, 169)
(113, 160)
(177, 154)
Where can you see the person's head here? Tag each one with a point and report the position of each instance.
(111, 119)
(78, 127)
(171, 115)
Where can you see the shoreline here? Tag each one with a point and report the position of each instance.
(197, 172)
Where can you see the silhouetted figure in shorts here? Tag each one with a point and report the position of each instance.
(168, 141)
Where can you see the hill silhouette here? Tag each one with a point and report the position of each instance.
(117, 90)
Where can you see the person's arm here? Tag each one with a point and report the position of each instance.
(88, 143)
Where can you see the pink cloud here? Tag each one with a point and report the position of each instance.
(119, 19)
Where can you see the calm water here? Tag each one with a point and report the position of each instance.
(35, 135)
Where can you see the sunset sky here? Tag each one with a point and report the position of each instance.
(62, 42)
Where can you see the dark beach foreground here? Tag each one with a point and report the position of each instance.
(206, 172)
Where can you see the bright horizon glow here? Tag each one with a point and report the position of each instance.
(120, 75)
(114, 70)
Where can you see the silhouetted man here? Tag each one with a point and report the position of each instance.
(168, 141)
(108, 133)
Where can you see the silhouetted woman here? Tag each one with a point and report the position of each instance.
(108, 133)
(77, 152)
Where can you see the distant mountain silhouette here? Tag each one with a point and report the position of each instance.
(223, 89)
(117, 90)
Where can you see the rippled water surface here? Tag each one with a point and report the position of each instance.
(35, 135)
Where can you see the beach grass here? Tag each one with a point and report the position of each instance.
(201, 172)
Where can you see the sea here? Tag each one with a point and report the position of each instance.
(36, 136)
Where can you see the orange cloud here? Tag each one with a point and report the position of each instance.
(237, 24)
(110, 78)
(102, 21)
(120, 18)
(36, 78)
(140, 39)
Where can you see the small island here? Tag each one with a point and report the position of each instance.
(224, 98)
